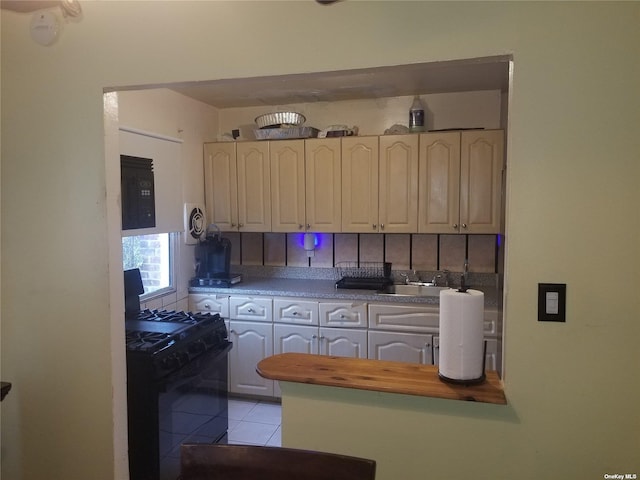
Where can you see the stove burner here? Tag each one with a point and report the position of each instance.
(152, 331)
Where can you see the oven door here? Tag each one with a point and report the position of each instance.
(190, 404)
(193, 407)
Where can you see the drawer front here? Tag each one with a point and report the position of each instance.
(343, 314)
(251, 308)
(299, 312)
(491, 322)
(210, 303)
(404, 318)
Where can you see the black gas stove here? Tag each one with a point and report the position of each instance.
(169, 340)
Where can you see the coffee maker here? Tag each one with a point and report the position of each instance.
(213, 261)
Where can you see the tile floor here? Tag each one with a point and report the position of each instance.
(254, 422)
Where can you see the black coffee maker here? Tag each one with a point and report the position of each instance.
(213, 261)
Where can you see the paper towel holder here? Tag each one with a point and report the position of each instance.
(471, 381)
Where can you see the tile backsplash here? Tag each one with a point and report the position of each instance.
(428, 252)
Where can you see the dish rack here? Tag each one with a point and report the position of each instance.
(363, 275)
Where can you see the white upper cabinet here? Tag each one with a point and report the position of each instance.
(287, 185)
(323, 176)
(398, 187)
(237, 186)
(460, 182)
(360, 184)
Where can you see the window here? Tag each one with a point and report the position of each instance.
(153, 255)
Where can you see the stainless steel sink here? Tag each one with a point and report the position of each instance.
(413, 290)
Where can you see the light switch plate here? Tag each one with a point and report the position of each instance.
(552, 302)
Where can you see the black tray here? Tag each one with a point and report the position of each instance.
(376, 283)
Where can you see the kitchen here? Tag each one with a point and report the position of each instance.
(265, 258)
(536, 432)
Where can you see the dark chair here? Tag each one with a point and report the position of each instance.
(246, 462)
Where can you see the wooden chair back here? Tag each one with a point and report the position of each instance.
(247, 462)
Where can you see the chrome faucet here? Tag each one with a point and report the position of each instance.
(443, 274)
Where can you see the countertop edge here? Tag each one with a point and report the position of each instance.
(325, 290)
(377, 375)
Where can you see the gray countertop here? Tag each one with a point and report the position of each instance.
(325, 289)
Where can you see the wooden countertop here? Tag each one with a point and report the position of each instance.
(378, 376)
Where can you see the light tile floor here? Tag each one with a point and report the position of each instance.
(254, 422)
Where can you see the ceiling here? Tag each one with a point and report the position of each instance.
(489, 73)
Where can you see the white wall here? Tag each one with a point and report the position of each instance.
(571, 217)
(164, 112)
(373, 117)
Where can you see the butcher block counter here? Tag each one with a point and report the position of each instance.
(377, 375)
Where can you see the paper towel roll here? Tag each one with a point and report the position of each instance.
(461, 336)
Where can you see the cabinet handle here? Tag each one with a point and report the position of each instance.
(314, 336)
(382, 226)
(240, 225)
(250, 310)
(207, 306)
(375, 227)
(232, 331)
(342, 316)
(455, 225)
(308, 226)
(233, 225)
(299, 226)
(294, 313)
(464, 225)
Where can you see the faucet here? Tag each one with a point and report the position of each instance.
(443, 274)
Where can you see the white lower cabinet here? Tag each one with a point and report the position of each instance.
(343, 342)
(252, 341)
(251, 331)
(401, 347)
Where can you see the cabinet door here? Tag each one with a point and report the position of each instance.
(343, 342)
(252, 342)
(439, 183)
(398, 184)
(209, 303)
(295, 338)
(323, 172)
(220, 185)
(254, 187)
(287, 186)
(360, 184)
(400, 347)
(481, 167)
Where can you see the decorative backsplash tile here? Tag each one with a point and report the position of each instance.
(323, 255)
(252, 249)
(420, 252)
(371, 247)
(424, 252)
(452, 252)
(397, 250)
(482, 253)
(275, 253)
(346, 247)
